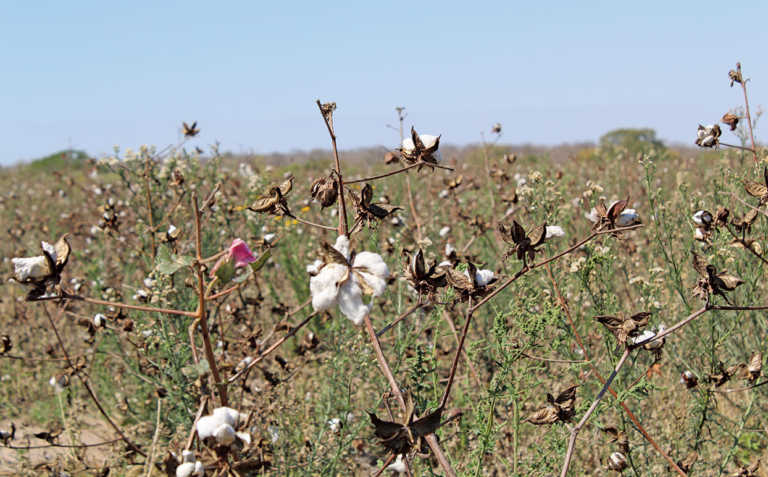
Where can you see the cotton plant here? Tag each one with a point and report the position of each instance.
(342, 278)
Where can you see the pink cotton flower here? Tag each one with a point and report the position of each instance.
(241, 253)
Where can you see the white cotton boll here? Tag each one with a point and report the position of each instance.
(446, 263)
(449, 249)
(644, 336)
(274, 433)
(268, 238)
(428, 140)
(342, 245)
(324, 286)
(702, 217)
(484, 277)
(207, 425)
(444, 231)
(314, 267)
(335, 425)
(224, 434)
(49, 249)
(243, 436)
(592, 215)
(99, 320)
(172, 229)
(554, 231)
(187, 456)
(444, 194)
(398, 465)
(30, 268)
(94, 230)
(698, 234)
(628, 217)
(186, 469)
(371, 267)
(228, 415)
(351, 302)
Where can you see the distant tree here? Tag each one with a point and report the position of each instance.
(634, 140)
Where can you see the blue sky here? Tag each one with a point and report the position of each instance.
(97, 74)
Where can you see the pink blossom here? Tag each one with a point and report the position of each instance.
(241, 253)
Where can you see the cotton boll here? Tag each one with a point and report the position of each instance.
(342, 245)
(314, 267)
(398, 465)
(444, 231)
(187, 456)
(628, 217)
(224, 435)
(554, 231)
(207, 425)
(33, 268)
(243, 436)
(324, 286)
(228, 415)
(186, 469)
(484, 277)
(449, 249)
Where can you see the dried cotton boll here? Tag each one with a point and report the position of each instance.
(617, 461)
(444, 231)
(628, 217)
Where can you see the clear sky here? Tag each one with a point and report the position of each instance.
(94, 74)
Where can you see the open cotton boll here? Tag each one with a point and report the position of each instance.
(351, 303)
(187, 456)
(429, 141)
(554, 231)
(398, 465)
(224, 434)
(702, 217)
(484, 277)
(449, 249)
(444, 231)
(49, 249)
(190, 469)
(207, 425)
(592, 215)
(314, 267)
(324, 286)
(628, 217)
(33, 268)
(228, 415)
(342, 245)
(372, 268)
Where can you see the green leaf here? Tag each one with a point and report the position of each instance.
(168, 263)
(225, 272)
(261, 261)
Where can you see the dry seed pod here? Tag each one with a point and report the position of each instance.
(755, 366)
(368, 212)
(325, 190)
(617, 461)
(558, 408)
(524, 245)
(622, 326)
(400, 438)
(731, 120)
(756, 189)
(735, 75)
(711, 281)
